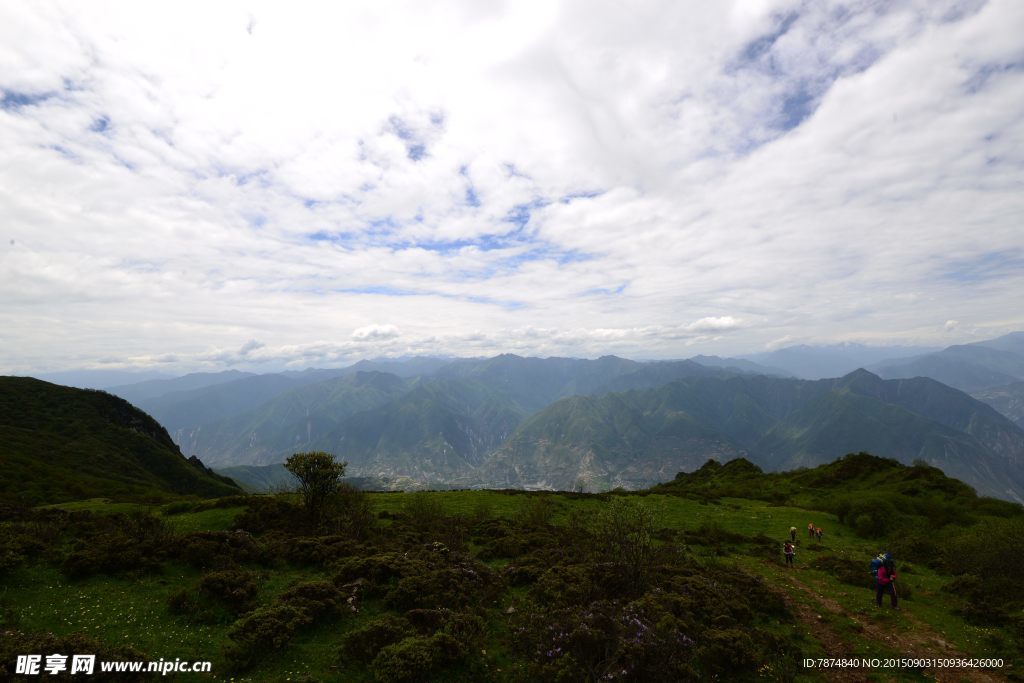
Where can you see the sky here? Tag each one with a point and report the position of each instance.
(189, 186)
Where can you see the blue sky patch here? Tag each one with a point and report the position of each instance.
(606, 291)
(416, 151)
(759, 47)
(573, 196)
(14, 100)
(519, 215)
(982, 76)
(796, 107)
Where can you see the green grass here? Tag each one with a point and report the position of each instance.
(133, 609)
(103, 506)
(217, 519)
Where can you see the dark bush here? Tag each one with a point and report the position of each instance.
(117, 543)
(523, 574)
(177, 508)
(462, 626)
(18, 544)
(218, 596)
(986, 560)
(870, 516)
(450, 586)
(15, 642)
(316, 550)
(266, 629)
(213, 549)
(363, 644)
(270, 628)
(416, 659)
(605, 640)
(315, 598)
(379, 570)
(724, 654)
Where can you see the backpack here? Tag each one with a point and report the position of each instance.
(882, 559)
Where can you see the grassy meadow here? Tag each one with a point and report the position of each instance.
(679, 583)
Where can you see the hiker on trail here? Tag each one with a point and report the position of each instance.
(885, 581)
(810, 529)
(792, 533)
(817, 534)
(875, 563)
(789, 550)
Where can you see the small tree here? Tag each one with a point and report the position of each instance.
(319, 476)
(624, 530)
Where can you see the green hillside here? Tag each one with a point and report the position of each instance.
(684, 582)
(59, 443)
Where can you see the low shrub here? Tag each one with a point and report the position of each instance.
(262, 631)
(416, 658)
(16, 642)
(272, 627)
(218, 596)
(117, 543)
(449, 586)
(462, 626)
(316, 550)
(364, 643)
(218, 549)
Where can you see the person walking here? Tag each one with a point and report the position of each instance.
(810, 529)
(885, 581)
(789, 550)
(792, 533)
(817, 533)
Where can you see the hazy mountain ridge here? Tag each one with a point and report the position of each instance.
(141, 392)
(504, 421)
(970, 367)
(628, 439)
(451, 417)
(1008, 400)
(805, 361)
(296, 420)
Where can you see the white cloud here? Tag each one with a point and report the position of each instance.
(178, 180)
(376, 332)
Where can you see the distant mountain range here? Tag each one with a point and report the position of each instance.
(438, 424)
(596, 424)
(59, 443)
(637, 438)
(835, 360)
(970, 367)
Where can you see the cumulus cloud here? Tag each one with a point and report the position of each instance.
(375, 332)
(725, 322)
(552, 178)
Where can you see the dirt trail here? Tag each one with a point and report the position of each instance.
(919, 642)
